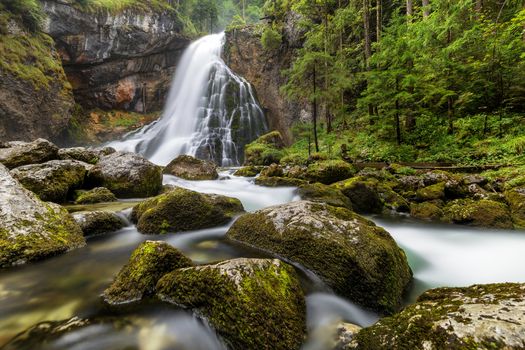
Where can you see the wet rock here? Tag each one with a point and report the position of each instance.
(318, 192)
(30, 229)
(80, 153)
(95, 195)
(278, 181)
(190, 168)
(358, 259)
(363, 194)
(346, 332)
(329, 171)
(18, 153)
(95, 223)
(127, 175)
(426, 210)
(477, 317)
(485, 213)
(147, 264)
(183, 210)
(252, 303)
(516, 200)
(248, 171)
(432, 192)
(52, 181)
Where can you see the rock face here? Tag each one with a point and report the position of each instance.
(116, 60)
(183, 210)
(31, 229)
(147, 264)
(127, 175)
(95, 223)
(52, 181)
(352, 255)
(478, 317)
(252, 303)
(18, 153)
(190, 168)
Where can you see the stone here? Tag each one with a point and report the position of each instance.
(516, 200)
(95, 223)
(266, 150)
(95, 195)
(82, 154)
(274, 170)
(432, 192)
(352, 255)
(426, 210)
(251, 303)
(190, 168)
(18, 153)
(329, 171)
(363, 193)
(318, 192)
(184, 210)
(278, 181)
(137, 279)
(127, 175)
(484, 213)
(30, 229)
(248, 171)
(477, 317)
(52, 181)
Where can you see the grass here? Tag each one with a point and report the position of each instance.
(116, 6)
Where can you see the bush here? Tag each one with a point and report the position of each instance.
(271, 39)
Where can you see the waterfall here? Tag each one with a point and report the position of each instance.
(211, 113)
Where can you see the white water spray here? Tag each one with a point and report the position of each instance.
(210, 113)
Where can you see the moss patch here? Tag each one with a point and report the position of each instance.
(484, 212)
(96, 195)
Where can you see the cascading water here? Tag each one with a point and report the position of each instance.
(211, 113)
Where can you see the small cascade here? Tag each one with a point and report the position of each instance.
(211, 113)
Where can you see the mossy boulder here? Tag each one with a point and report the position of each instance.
(248, 171)
(191, 168)
(127, 175)
(17, 153)
(329, 171)
(436, 176)
(184, 210)
(30, 229)
(82, 154)
(95, 195)
(477, 317)
(274, 170)
(98, 222)
(485, 213)
(147, 264)
(356, 258)
(266, 150)
(318, 192)
(276, 181)
(516, 200)
(432, 192)
(363, 193)
(392, 200)
(52, 181)
(252, 303)
(426, 210)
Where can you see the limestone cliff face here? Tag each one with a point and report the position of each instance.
(121, 60)
(245, 55)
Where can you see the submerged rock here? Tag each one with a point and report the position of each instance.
(485, 213)
(95, 195)
(252, 303)
(191, 168)
(477, 317)
(17, 153)
(31, 229)
(52, 181)
(98, 222)
(358, 259)
(147, 264)
(184, 210)
(127, 175)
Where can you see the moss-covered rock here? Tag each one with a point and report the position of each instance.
(278, 181)
(191, 168)
(147, 264)
(476, 317)
(358, 259)
(127, 175)
(30, 229)
(95, 195)
(52, 181)
(432, 192)
(391, 200)
(363, 194)
(318, 192)
(17, 153)
(98, 222)
(252, 303)
(274, 170)
(485, 213)
(516, 200)
(266, 150)
(183, 210)
(426, 210)
(248, 171)
(329, 171)
(82, 154)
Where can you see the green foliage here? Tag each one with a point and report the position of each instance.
(116, 6)
(28, 11)
(271, 39)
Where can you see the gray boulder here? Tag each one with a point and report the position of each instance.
(98, 222)
(18, 153)
(190, 168)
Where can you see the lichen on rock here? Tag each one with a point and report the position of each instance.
(95, 195)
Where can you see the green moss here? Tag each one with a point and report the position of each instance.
(96, 195)
(516, 200)
(363, 193)
(256, 305)
(485, 213)
(278, 181)
(266, 150)
(248, 171)
(117, 6)
(436, 191)
(325, 194)
(426, 211)
(329, 171)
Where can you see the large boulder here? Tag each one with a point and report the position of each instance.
(477, 317)
(31, 229)
(98, 222)
(516, 199)
(147, 264)
(358, 259)
(266, 150)
(317, 192)
(252, 303)
(426, 210)
(432, 192)
(190, 168)
(329, 171)
(127, 175)
(82, 154)
(484, 213)
(363, 193)
(17, 153)
(95, 195)
(184, 210)
(52, 181)
(248, 171)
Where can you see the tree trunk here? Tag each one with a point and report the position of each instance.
(398, 124)
(479, 5)
(426, 8)
(379, 19)
(366, 25)
(314, 107)
(410, 8)
(327, 107)
(450, 114)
